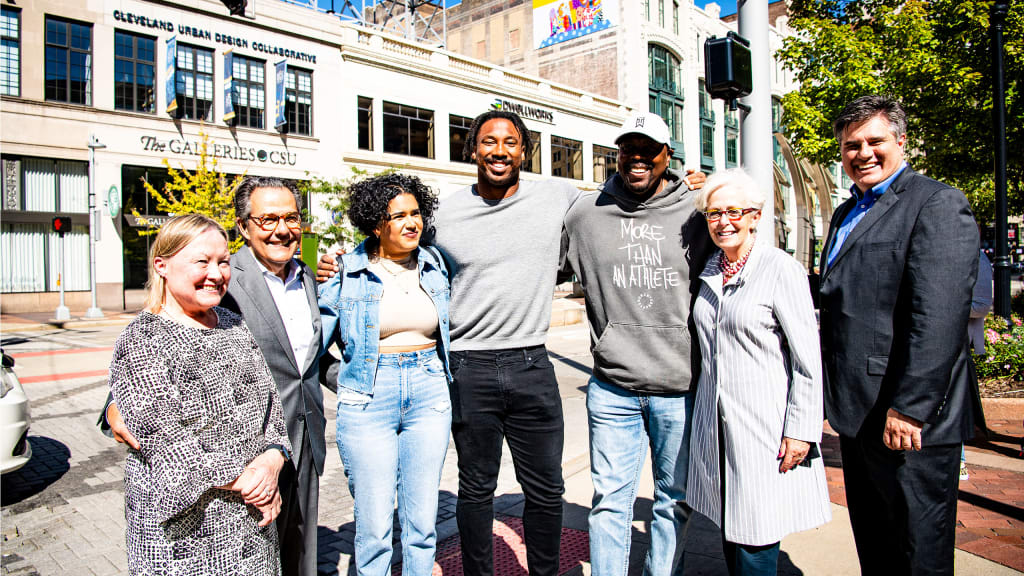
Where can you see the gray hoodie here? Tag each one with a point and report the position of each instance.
(637, 262)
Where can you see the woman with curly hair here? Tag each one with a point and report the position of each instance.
(388, 312)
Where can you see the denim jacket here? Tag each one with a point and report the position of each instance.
(350, 307)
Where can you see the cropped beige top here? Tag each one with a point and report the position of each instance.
(407, 314)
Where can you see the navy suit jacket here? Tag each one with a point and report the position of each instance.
(894, 307)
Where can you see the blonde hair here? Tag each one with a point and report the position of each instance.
(174, 235)
(737, 178)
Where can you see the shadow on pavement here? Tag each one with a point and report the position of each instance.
(50, 461)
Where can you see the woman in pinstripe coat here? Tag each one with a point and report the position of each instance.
(754, 465)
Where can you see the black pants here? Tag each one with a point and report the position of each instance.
(902, 505)
(297, 522)
(510, 394)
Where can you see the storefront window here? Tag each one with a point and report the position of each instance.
(248, 91)
(365, 120)
(458, 130)
(10, 52)
(408, 130)
(299, 101)
(566, 158)
(134, 78)
(194, 82)
(605, 162)
(531, 161)
(68, 61)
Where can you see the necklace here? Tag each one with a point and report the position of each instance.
(399, 270)
(730, 269)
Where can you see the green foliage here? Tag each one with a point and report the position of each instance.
(934, 56)
(1004, 350)
(205, 190)
(333, 195)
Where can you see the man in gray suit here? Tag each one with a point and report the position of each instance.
(276, 294)
(898, 271)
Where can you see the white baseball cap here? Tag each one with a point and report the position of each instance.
(647, 123)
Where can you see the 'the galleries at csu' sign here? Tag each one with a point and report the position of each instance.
(226, 151)
(524, 111)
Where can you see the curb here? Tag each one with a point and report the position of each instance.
(1003, 408)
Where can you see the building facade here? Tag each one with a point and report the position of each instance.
(290, 93)
(650, 55)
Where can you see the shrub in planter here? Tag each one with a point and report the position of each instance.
(1004, 350)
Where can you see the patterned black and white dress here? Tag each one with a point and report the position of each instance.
(202, 404)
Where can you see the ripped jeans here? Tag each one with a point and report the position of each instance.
(396, 440)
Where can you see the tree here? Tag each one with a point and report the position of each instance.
(206, 190)
(934, 56)
(333, 195)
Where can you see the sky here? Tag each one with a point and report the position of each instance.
(728, 6)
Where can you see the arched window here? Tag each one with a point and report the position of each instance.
(665, 93)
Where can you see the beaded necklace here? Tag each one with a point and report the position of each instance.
(730, 269)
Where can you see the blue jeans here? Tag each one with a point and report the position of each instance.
(397, 436)
(622, 424)
(744, 560)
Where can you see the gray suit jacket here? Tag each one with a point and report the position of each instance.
(298, 386)
(894, 307)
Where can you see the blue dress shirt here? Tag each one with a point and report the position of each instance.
(864, 203)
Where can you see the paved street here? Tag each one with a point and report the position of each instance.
(63, 513)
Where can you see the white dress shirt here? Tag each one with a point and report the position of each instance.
(293, 306)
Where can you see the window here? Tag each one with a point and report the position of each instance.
(31, 251)
(134, 78)
(408, 130)
(365, 120)
(732, 124)
(513, 39)
(531, 162)
(776, 115)
(68, 62)
(193, 82)
(298, 107)
(605, 162)
(661, 13)
(458, 130)
(665, 95)
(707, 129)
(566, 158)
(675, 17)
(248, 91)
(647, 10)
(10, 52)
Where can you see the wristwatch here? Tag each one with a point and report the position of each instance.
(280, 448)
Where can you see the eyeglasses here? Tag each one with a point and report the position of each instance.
(731, 213)
(268, 222)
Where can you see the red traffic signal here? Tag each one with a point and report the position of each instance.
(61, 224)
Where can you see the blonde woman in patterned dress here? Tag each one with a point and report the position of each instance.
(201, 491)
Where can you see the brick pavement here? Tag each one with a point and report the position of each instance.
(990, 512)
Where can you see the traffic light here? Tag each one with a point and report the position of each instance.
(61, 224)
(727, 67)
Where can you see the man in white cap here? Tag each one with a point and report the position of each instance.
(637, 244)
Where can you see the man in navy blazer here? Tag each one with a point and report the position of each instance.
(897, 274)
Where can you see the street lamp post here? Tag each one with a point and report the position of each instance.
(1001, 263)
(94, 221)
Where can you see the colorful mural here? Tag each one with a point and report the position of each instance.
(557, 21)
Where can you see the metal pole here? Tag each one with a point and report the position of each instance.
(93, 311)
(62, 313)
(1001, 265)
(756, 124)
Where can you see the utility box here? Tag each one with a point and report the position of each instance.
(727, 70)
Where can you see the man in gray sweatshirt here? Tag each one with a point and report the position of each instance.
(637, 246)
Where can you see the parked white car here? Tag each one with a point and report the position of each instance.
(15, 449)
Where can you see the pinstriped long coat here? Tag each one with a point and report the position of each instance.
(761, 380)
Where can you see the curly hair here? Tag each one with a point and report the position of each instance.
(368, 200)
(474, 132)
